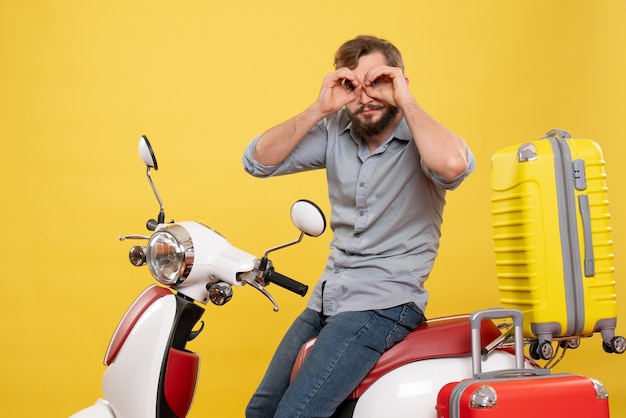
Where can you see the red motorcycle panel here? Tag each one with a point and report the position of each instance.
(181, 377)
(132, 315)
(437, 338)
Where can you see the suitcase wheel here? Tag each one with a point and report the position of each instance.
(541, 350)
(571, 343)
(617, 345)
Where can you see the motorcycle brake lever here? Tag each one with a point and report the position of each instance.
(260, 288)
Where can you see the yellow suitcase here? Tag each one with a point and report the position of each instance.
(553, 248)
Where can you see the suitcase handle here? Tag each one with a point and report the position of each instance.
(476, 319)
(557, 133)
(585, 215)
(512, 373)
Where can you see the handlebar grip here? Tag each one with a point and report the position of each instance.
(287, 283)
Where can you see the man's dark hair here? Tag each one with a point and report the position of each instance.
(349, 53)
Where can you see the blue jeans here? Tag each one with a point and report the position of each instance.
(347, 347)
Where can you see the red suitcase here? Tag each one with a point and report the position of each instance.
(519, 392)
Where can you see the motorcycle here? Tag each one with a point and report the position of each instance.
(151, 373)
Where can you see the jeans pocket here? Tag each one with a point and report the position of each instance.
(417, 316)
(410, 318)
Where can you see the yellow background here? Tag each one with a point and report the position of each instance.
(82, 80)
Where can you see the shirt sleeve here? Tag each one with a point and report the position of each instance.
(251, 165)
(310, 154)
(454, 183)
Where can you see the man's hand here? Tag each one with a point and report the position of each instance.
(338, 89)
(389, 85)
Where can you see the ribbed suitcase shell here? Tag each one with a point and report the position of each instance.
(554, 262)
(551, 396)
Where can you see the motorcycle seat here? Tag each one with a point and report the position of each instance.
(436, 338)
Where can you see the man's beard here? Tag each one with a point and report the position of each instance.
(369, 129)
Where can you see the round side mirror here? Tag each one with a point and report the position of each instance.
(146, 153)
(308, 218)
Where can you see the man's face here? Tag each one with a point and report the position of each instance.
(372, 120)
(369, 116)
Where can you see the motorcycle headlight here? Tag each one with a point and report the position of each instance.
(170, 255)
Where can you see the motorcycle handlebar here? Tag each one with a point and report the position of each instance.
(286, 282)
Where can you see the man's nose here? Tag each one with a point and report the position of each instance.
(364, 98)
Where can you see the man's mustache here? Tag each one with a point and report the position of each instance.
(369, 107)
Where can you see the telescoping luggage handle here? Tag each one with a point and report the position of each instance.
(518, 320)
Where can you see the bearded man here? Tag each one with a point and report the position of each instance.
(388, 165)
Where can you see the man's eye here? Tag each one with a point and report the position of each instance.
(377, 83)
(347, 85)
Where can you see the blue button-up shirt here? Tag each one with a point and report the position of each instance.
(386, 214)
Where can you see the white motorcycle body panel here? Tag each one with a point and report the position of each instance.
(101, 409)
(411, 390)
(130, 384)
(214, 259)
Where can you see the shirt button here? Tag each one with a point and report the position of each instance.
(360, 213)
(361, 184)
